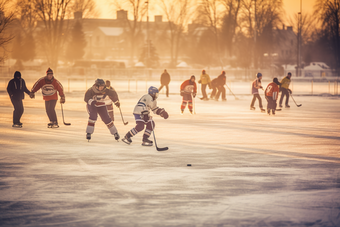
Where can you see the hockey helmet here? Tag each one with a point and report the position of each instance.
(153, 91)
(258, 75)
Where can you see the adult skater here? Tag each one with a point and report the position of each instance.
(16, 88)
(205, 81)
(188, 91)
(217, 85)
(145, 105)
(165, 80)
(256, 85)
(285, 82)
(95, 99)
(108, 101)
(49, 88)
(272, 93)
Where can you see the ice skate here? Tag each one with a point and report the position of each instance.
(280, 106)
(52, 125)
(263, 110)
(224, 100)
(287, 106)
(273, 111)
(182, 112)
(252, 108)
(147, 142)
(268, 111)
(127, 140)
(191, 111)
(17, 125)
(205, 99)
(88, 136)
(116, 136)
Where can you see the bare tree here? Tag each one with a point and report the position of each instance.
(177, 13)
(307, 25)
(87, 7)
(139, 9)
(258, 20)
(230, 23)
(212, 12)
(6, 19)
(52, 32)
(328, 12)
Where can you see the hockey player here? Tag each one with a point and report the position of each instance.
(204, 80)
(272, 92)
(188, 91)
(165, 80)
(49, 87)
(217, 85)
(256, 85)
(285, 89)
(141, 112)
(95, 99)
(16, 88)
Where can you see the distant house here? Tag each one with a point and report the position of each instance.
(108, 43)
(286, 47)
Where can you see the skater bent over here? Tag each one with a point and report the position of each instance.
(272, 92)
(218, 86)
(204, 80)
(95, 99)
(49, 88)
(16, 88)
(145, 105)
(188, 91)
(285, 89)
(165, 80)
(256, 85)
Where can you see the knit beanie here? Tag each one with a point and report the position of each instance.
(17, 74)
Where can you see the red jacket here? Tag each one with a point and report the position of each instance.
(189, 87)
(272, 90)
(49, 88)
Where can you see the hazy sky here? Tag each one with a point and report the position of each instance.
(291, 7)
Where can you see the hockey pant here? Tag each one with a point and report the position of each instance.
(284, 93)
(256, 96)
(110, 111)
(271, 103)
(140, 124)
(187, 98)
(18, 109)
(93, 115)
(50, 110)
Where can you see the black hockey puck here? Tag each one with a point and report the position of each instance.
(188, 164)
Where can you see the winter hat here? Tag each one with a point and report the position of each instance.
(192, 77)
(17, 74)
(49, 71)
(275, 80)
(258, 75)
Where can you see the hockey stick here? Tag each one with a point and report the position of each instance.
(62, 113)
(154, 138)
(193, 104)
(125, 123)
(232, 92)
(294, 101)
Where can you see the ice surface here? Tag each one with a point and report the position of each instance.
(248, 168)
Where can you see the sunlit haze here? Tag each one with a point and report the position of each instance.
(291, 7)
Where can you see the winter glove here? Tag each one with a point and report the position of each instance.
(62, 100)
(32, 95)
(161, 112)
(199, 81)
(194, 95)
(117, 103)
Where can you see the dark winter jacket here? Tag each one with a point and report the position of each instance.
(165, 78)
(16, 87)
(219, 81)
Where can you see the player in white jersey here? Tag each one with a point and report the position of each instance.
(145, 105)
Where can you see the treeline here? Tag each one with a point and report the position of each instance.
(240, 33)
